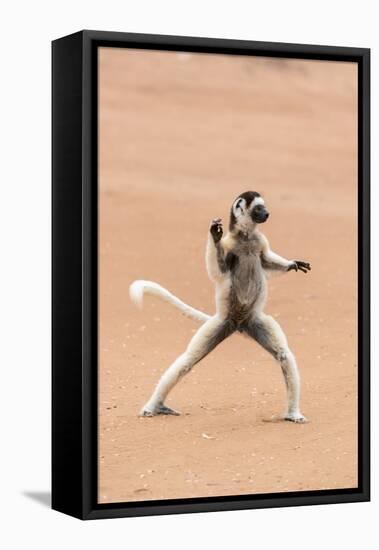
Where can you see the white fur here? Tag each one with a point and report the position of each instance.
(257, 200)
(239, 207)
(181, 366)
(138, 288)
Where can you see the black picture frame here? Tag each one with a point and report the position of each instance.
(74, 272)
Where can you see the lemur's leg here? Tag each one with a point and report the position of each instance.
(204, 341)
(268, 333)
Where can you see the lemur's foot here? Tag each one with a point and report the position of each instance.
(297, 264)
(158, 409)
(216, 230)
(296, 417)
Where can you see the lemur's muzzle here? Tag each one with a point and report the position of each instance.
(259, 214)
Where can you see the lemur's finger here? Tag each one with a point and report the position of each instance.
(216, 227)
(305, 265)
(216, 230)
(303, 269)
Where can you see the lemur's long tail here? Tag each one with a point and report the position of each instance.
(138, 288)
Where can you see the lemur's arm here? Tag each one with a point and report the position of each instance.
(217, 260)
(215, 257)
(273, 262)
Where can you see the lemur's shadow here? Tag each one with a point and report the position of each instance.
(274, 419)
(279, 419)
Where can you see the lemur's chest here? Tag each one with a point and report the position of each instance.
(244, 262)
(248, 255)
(248, 267)
(247, 285)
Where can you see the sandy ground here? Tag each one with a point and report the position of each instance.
(180, 137)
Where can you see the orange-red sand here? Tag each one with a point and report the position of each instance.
(180, 136)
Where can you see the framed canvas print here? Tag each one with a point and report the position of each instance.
(210, 274)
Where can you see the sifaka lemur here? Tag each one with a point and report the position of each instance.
(238, 264)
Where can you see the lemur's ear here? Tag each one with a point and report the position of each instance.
(239, 207)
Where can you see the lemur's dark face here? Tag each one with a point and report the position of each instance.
(259, 213)
(247, 210)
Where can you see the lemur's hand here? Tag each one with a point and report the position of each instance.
(216, 230)
(297, 264)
